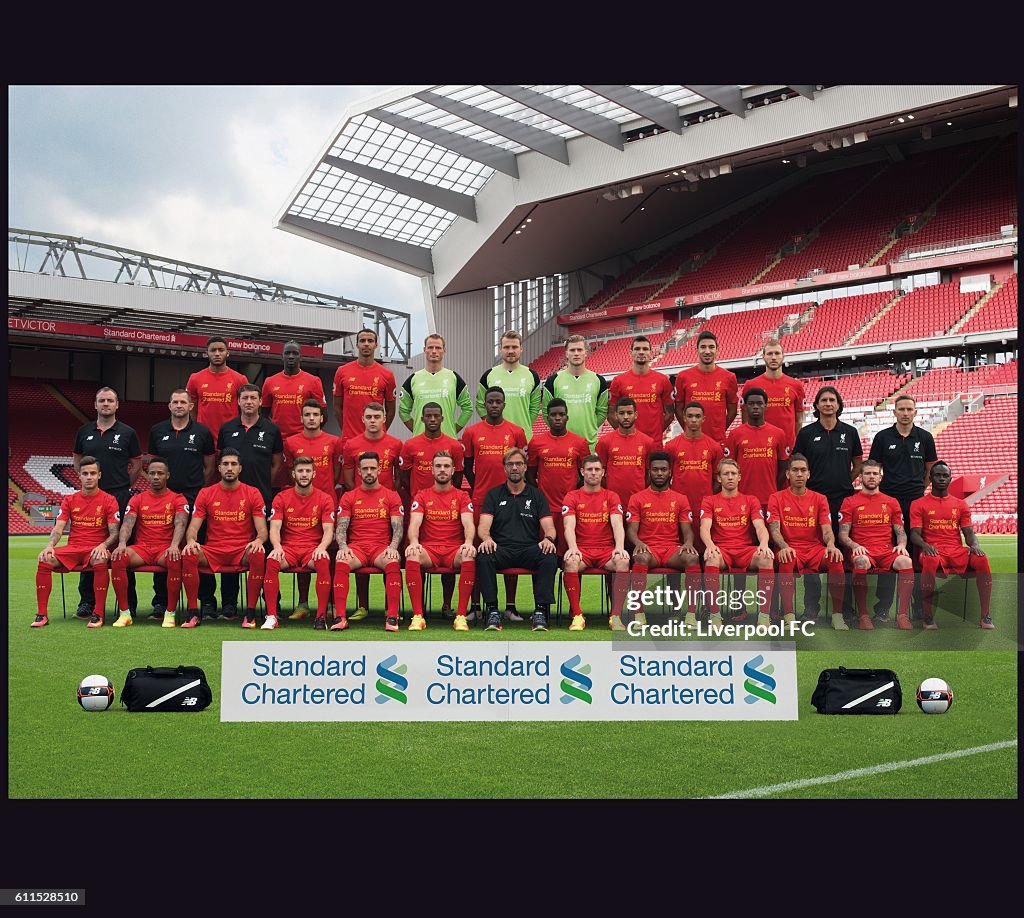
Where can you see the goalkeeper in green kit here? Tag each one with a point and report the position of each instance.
(522, 388)
(584, 392)
(435, 383)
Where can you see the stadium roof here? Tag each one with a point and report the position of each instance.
(66, 278)
(448, 180)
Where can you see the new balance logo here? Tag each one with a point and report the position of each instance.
(189, 702)
(883, 703)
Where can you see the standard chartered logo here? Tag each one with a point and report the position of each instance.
(391, 683)
(759, 682)
(576, 683)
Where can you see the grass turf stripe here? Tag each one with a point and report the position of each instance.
(861, 772)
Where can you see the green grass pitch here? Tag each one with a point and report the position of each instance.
(56, 750)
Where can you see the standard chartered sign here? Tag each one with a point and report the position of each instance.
(570, 680)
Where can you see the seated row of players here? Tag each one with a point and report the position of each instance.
(370, 531)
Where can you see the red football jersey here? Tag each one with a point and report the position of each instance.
(652, 392)
(154, 517)
(758, 450)
(659, 514)
(800, 516)
(625, 461)
(558, 461)
(389, 449)
(229, 514)
(871, 518)
(325, 450)
(215, 396)
(442, 515)
(732, 519)
(593, 511)
(486, 444)
(89, 518)
(715, 391)
(284, 395)
(940, 520)
(302, 518)
(786, 397)
(418, 456)
(370, 512)
(359, 386)
(694, 464)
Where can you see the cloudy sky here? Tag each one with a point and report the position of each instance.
(189, 172)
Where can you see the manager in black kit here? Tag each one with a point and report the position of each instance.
(516, 530)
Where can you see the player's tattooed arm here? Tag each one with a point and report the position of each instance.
(124, 534)
(396, 532)
(343, 531)
(844, 536)
(127, 528)
(775, 529)
(901, 536)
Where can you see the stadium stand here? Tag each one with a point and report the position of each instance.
(740, 334)
(999, 311)
(864, 229)
(951, 382)
(925, 312)
(978, 204)
(834, 321)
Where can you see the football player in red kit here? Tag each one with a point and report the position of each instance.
(655, 519)
(236, 528)
(867, 523)
(301, 528)
(801, 528)
(936, 522)
(725, 523)
(369, 528)
(596, 538)
(158, 518)
(441, 532)
(94, 519)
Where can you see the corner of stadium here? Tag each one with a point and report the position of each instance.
(872, 230)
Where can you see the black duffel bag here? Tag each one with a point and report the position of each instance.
(857, 691)
(166, 688)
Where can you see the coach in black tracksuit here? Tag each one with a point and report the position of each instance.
(516, 530)
(834, 456)
(906, 453)
(189, 450)
(116, 447)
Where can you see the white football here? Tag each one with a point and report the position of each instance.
(95, 693)
(934, 696)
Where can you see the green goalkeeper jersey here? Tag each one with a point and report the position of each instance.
(522, 390)
(586, 398)
(446, 388)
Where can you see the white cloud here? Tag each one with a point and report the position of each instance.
(266, 142)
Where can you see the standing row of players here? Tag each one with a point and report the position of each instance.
(512, 390)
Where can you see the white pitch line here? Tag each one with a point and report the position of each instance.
(862, 772)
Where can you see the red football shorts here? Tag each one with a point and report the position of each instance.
(71, 558)
(442, 555)
(595, 557)
(953, 562)
(150, 554)
(298, 555)
(367, 553)
(218, 557)
(661, 552)
(738, 558)
(810, 559)
(882, 561)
